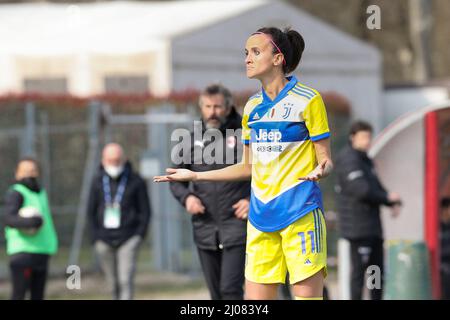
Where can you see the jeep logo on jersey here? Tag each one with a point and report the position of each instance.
(268, 136)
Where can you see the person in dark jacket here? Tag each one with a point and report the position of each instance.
(445, 247)
(219, 209)
(30, 234)
(359, 197)
(119, 214)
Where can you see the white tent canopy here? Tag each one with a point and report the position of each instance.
(176, 45)
(109, 27)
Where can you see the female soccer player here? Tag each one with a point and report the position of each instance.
(286, 151)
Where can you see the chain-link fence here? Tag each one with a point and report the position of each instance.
(67, 141)
(66, 137)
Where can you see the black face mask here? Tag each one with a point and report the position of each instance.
(31, 183)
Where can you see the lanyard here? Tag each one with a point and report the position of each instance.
(120, 189)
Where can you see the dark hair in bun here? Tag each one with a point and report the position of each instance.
(290, 43)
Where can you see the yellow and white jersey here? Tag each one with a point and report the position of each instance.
(281, 135)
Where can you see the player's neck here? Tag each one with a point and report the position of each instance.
(273, 85)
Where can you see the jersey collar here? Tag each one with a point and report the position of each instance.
(292, 82)
(259, 111)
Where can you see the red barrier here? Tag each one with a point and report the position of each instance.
(432, 198)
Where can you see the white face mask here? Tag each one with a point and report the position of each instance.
(114, 171)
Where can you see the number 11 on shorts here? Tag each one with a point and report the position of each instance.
(303, 238)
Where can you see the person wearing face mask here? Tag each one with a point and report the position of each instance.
(119, 214)
(30, 241)
(359, 197)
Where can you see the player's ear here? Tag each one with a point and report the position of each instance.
(278, 59)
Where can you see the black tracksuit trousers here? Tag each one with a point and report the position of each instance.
(365, 253)
(28, 274)
(223, 270)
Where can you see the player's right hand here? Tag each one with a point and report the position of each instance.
(176, 175)
(394, 197)
(194, 205)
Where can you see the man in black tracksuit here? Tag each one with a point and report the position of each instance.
(119, 214)
(359, 196)
(219, 209)
(444, 237)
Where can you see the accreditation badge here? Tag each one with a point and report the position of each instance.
(111, 218)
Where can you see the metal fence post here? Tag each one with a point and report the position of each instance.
(91, 163)
(172, 215)
(28, 142)
(158, 228)
(45, 137)
(166, 220)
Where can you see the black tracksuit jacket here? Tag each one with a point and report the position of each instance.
(135, 208)
(359, 196)
(218, 225)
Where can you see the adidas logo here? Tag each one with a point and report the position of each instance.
(307, 261)
(256, 116)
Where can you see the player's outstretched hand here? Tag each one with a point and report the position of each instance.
(316, 174)
(176, 175)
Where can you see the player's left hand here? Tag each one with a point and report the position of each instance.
(241, 209)
(317, 173)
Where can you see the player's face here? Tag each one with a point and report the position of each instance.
(259, 59)
(362, 140)
(27, 169)
(214, 111)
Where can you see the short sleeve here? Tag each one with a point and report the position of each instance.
(245, 129)
(316, 121)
